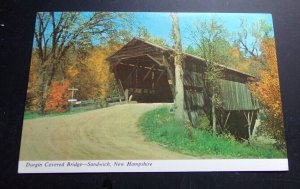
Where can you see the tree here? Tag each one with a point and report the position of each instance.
(178, 60)
(31, 98)
(100, 73)
(143, 33)
(124, 25)
(210, 41)
(192, 50)
(267, 90)
(91, 74)
(250, 37)
(210, 38)
(56, 34)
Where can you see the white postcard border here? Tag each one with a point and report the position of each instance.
(105, 166)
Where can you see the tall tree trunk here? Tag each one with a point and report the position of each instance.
(179, 90)
(179, 94)
(43, 91)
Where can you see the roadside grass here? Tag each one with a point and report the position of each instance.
(34, 115)
(159, 126)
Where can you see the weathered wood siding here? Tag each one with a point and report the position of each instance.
(193, 90)
(236, 96)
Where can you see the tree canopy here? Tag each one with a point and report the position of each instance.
(57, 33)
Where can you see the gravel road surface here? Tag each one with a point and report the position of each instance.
(109, 133)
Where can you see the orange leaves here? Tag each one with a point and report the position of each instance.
(267, 90)
(58, 97)
(32, 98)
(269, 53)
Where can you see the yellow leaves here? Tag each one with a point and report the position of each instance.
(72, 71)
(235, 52)
(243, 66)
(267, 90)
(94, 75)
(99, 69)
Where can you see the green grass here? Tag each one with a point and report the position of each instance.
(159, 126)
(33, 115)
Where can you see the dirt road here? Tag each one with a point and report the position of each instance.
(109, 133)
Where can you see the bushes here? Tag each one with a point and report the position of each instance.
(204, 123)
(159, 125)
(273, 127)
(58, 97)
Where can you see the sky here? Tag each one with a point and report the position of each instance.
(159, 24)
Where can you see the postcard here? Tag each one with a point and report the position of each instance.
(153, 92)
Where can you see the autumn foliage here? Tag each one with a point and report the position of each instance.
(58, 97)
(31, 100)
(267, 89)
(99, 69)
(92, 75)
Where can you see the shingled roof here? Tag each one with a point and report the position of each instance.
(170, 50)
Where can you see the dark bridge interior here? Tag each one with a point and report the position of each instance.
(144, 79)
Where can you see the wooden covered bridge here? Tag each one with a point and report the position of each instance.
(146, 71)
